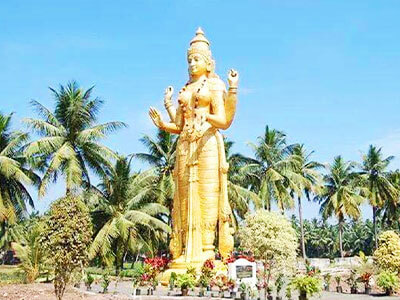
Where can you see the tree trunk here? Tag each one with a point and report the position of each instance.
(374, 209)
(303, 245)
(340, 237)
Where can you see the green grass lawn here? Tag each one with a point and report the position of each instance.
(11, 274)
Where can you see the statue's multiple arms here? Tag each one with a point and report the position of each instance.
(219, 118)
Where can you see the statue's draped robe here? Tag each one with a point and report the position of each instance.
(201, 197)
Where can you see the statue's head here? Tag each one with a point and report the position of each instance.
(199, 56)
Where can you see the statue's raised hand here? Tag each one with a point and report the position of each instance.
(168, 96)
(168, 92)
(233, 78)
(156, 117)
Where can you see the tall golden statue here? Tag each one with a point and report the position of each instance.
(201, 198)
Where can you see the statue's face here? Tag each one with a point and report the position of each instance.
(197, 64)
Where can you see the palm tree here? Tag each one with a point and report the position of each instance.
(161, 156)
(16, 174)
(374, 177)
(29, 250)
(340, 196)
(272, 174)
(69, 143)
(309, 179)
(122, 213)
(389, 213)
(239, 193)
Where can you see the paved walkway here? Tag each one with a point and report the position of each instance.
(125, 288)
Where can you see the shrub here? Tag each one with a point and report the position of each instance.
(387, 256)
(271, 238)
(66, 235)
(389, 281)
(307, 285)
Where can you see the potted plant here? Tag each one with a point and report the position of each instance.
(88, 281)
(352, 282)
(172, 280)
(279, 285)
(389, 281)
(327, 281)
(221, 281)
(185, 282)
(105, 283)
(231, 287)
(288, 293)
(338, 286)
(307, 285)
(365, 278)
(269, 293)
(243, 289)
(207, 272)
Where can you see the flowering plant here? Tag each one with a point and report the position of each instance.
(234, 256)
(153, 267)
(221, 281)
(207, 272)
(365, 278)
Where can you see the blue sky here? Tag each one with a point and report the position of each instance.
(325, 72)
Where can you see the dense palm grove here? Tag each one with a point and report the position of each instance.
(130, 210)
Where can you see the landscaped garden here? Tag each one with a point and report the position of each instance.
(112, 237)
(174, 211)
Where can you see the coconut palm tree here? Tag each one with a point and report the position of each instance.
(340, 196)
(123, 214)
(239, 193)
(374, 177)
(389, 213)
(70, 138)
(161, 156)
(16, 174)
(310, 180)
(272, 174)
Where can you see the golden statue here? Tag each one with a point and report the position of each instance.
(201, 198)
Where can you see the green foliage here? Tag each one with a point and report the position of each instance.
(16, 174)
(271, 238)
(327, 278)
(308, 285)
(105, 282)
(30, 251)
(321, 237)
(125, 218)
(389, 281)
(67, 235)
(185, 281)
(279, 282)
(340, 196)
(288, 292)
(69, 137)
(387, 256)
(11, 275)
(272, 174)
(338, 279)
(89, 279)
